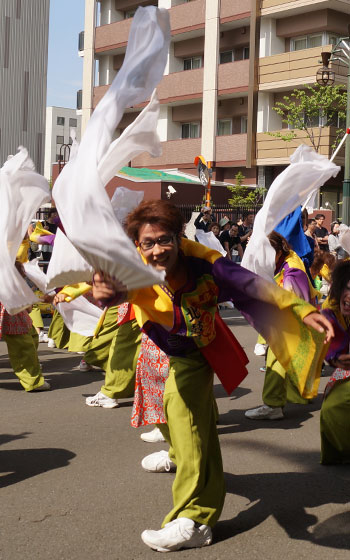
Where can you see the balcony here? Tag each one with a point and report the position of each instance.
(181, 86)
(283, 8)
(233, 77)
(183, 18)
(234, 9)
(98, 93)
(274, 151)
(175, 153)
(187, 17)
(112, 36)
(290, 69)
(231, 149)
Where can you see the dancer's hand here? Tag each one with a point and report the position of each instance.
(105, 287)
(320, 324)
(59, 298)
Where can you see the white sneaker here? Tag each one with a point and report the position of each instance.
(51, 343)
(153, 437)
(260, 349)
(44, 387)
(180, 533)
(158, 462)
(265, 412)
(83, 366)
(101, 400)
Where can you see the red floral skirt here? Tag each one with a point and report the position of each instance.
(151, 374)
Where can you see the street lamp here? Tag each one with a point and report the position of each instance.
(326, 76)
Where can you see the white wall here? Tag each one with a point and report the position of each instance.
(270, 44)
(53, 130)
(267, 119)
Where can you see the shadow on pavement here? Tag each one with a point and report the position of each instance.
(285, 496)
(6, 438)
(20, 464)
(295, 416)
(220, 393)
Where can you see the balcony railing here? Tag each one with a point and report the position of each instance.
(271, 150)
(234, 8)
(233, 76)
(174, 153)
(231, 148)
(184, 17)
(292, 67)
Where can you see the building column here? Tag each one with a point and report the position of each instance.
(89, 61)
(108, 13)
(210, 79)
(267, 119)
(106, 72)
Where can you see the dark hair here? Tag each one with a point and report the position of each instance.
(234, 224)
(160, 212)
(321, 258)
(334, 224)
(318, 216)
(213, 224)
(340, 279)
(279, 243)
(311, 221)
(247, 213)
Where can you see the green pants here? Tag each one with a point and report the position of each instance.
(97, 353)
(78, 342)
(36, 317)
(335, 425)
(58, 331)
(121, 367)
(278, 388)
(199, 487)
(22, 351)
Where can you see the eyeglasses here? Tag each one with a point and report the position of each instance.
(164, 241)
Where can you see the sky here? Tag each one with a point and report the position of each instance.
(65, 67)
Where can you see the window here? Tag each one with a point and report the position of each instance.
(224, 127)
(60, 120)
(190, 130)
(129, 14)
(244, 125)
(313, 40)
(59, 157)
(73, 122)
(70, 141)
(333, 39)
(245, 53)
(59, 139)
(192, 63)
(226, 56)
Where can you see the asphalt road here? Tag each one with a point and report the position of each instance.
(72, 486)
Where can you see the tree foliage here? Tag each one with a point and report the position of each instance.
(243, 195)
(311, 109)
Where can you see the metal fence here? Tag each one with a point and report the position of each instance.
(233, 214)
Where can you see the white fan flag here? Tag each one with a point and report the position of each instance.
(80, 316)
(209, 240)
(307, 172)
(79, 192)
(22, 192)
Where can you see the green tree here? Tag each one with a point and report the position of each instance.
(243, 195)
(311, 109)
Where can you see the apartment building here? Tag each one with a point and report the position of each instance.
(60, 121)
(23, 74)
(292, 36)
(229, 62)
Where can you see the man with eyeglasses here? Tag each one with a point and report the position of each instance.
(181, 318)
